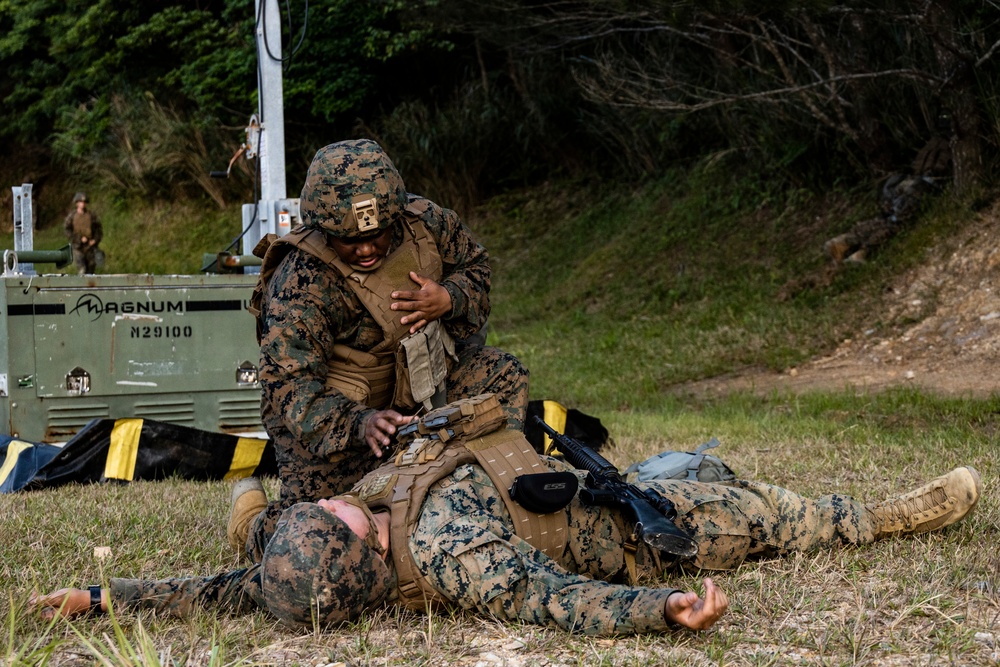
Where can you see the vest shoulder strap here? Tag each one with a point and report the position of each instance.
(506, 455)
(402, 490)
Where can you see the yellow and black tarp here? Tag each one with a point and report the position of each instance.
(569, 421)
(132, 449)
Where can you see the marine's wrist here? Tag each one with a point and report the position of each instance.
(362, 415)
(457, 302)
(667, 614)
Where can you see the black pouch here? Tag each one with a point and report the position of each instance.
(544, 492)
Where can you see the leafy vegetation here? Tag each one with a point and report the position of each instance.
(473, 98)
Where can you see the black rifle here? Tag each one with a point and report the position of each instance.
(651, 515)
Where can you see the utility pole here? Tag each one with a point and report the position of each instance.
(274, 213)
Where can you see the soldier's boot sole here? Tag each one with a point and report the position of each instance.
(859, 257)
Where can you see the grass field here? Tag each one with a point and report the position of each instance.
(925, 601)
(611, 300)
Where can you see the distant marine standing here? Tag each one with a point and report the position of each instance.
(85, 233)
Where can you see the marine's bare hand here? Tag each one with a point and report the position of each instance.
(691, 611)
(431, 302)
(67, 602)
(380, 428)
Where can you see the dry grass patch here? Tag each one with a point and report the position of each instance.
(924, 601)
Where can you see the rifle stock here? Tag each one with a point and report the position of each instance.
(650, 517)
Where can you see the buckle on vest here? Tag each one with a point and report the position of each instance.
(420, 450)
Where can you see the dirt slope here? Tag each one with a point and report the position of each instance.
(943, 333)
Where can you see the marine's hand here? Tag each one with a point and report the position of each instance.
(67, 602)
(691, 611)
(431, 302)
(380, 428)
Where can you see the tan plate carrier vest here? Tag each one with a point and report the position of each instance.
(404, 370)
(83, 224)
(474, 434)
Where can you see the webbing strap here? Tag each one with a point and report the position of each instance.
(414, 591)
(402, 491)
(633, 572)
(504, 455)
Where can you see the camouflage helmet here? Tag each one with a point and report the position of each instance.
(80, 196)
(352, 189)
(316, 571)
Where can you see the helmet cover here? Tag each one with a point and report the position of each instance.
(316, 571)
(352, 189)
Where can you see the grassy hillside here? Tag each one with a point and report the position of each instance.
(614, 297)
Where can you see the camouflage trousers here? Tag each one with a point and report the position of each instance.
(306, 477)
(85, 258)
(865, 236)
(745, 519)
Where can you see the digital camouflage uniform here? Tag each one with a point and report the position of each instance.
(900, 201)
(77, 226)
(464, 542)
(307, 308)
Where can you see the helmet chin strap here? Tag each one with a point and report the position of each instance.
(372, 538)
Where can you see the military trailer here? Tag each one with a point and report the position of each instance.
(179, 349)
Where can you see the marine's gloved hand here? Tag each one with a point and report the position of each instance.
(691, 611)
(380, 428)
(431, 302)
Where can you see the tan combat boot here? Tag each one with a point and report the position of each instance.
(858, 257)
(248, 500)
(836, 248)
(939, 503)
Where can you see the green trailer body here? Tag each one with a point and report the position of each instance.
(178, 349)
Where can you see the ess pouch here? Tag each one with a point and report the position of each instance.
(544, 492)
